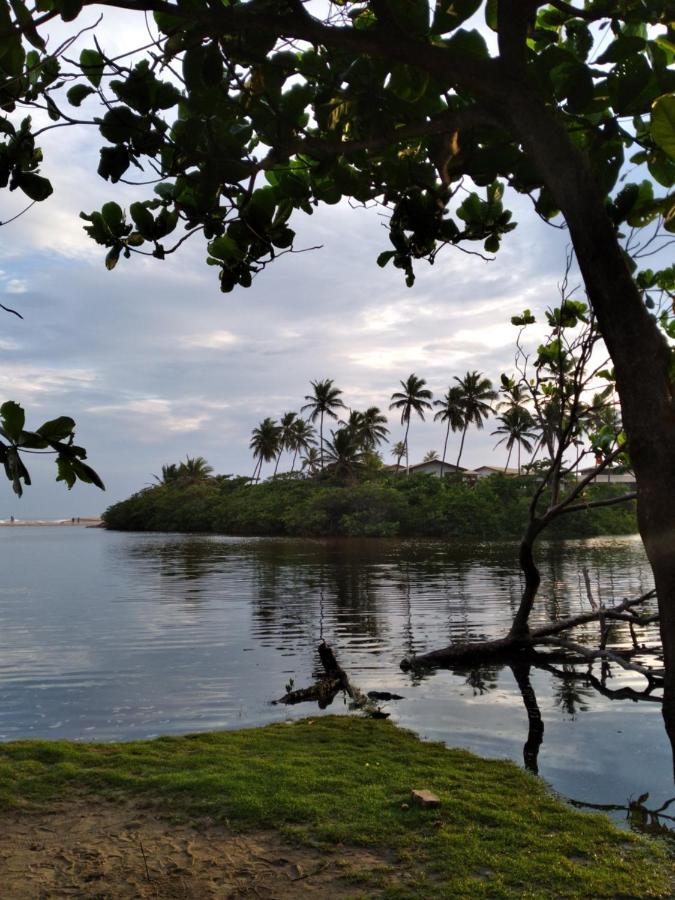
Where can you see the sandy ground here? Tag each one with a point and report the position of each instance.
(102, 851)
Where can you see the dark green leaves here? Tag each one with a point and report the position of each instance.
(449, 14)
(92, 65)
(12, 419)
(663, 124)
(57, 429)
(34, 186)
(78, 92)
(56, 434)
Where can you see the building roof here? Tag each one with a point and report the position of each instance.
(491, 470)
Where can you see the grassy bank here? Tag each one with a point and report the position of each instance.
(337, 780)
(379, 506)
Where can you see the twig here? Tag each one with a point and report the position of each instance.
(145, 860)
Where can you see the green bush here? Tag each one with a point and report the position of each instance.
(383, 505)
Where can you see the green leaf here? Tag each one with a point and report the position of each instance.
(663, 123)
(225, 249)
(57, 429)
(491, 14)
(113, 216)
(78, 92)
(91, 63)
(408, 83)
(13, 419)
(85, 473)
(112, 258)
(113, 163)
(384, 258)
(34, 186)
(143, 220)
(472, 43)
(25, 20)
(449, 14)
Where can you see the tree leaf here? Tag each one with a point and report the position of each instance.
(34, 186)
(663, 123)
(13, 419)
(78, 92)
(91, 63)
(57, 429)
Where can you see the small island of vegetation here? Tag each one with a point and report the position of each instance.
(381, 503)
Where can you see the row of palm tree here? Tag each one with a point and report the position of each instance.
(468, 402)
(361, 433)
(464, 404)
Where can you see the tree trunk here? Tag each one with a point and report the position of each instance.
(445, 448)
(321, 438)
(405, 442)
(508, 459)
(461, 445)
(638, 350)
(520, 628)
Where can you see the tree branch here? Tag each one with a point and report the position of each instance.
(595, 504)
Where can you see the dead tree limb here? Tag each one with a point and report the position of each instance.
(334, 680)
(477, 651)
(654, 676)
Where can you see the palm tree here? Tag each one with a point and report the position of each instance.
(517, 427)
(344, 453)
(398, 451)
(311, 460)
(301, 438)
(368, 427)
(323, 402)
(451, 411)
(265, 444)
(413, 398)
(169, 474)
(285, 435)
(194, 470)
(476, 395)
(514, 393)
(374, 431)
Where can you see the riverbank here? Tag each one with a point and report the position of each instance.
(316, 808)
(83, 522)
(383, 505)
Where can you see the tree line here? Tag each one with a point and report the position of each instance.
(469, 402)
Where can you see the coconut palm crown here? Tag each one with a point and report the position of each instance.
(264, 444)
(518, 430)
(413, 398)
(476, 399)
(323, 402)
(450, 410)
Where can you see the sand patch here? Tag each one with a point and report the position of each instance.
(105, 851)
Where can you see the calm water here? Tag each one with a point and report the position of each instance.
(113, 636)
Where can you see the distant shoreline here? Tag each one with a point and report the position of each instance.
(81, 521)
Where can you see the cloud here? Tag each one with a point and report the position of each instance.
(154, 362)
(215, 340)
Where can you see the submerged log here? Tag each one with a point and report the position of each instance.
(470, 652)
(334, 680)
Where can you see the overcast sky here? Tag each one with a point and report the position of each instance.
(154, 363)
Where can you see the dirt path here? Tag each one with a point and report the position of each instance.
(100, 851)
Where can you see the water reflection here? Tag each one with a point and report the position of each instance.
(170, 634)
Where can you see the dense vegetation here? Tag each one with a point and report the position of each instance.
(381, 504)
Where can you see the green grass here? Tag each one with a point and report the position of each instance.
(498, 833)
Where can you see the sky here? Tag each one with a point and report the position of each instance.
(154, 362)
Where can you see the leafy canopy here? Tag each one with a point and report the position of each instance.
(245, 113)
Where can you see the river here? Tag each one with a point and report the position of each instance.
(115, 636)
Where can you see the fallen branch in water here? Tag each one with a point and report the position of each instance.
(334, 680)
(478, 651)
